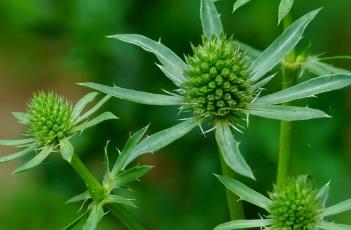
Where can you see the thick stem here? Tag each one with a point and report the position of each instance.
(235, 205)
(97, 192)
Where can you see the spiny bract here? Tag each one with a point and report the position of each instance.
(49, 117)
(295, 206)
(217, 78)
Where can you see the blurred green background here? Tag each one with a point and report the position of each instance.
(47, 44)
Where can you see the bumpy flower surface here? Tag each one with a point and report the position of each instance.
(49, 118)
(217, 78)
(295, 206)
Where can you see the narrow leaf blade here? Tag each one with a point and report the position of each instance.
(323, 193)
(76, 221)
(284, 9)
(242, 224)
(19, 154)
(21, 117)
(102, 117)
(244, 192)
(93, 109)
(338, 208)
(286, 113)
(239, 3)
(80, 197)
(229, 149)
(37, 160)
(174, 65)
(95, 216)
(317, 67)
(263, 82)
(210, 19)
(78, 108)
(136, 96)
(308, 88)
(115, 199)
(132, 174)
(281, 47)
(333, 226)
(16, 142)
(66, 149)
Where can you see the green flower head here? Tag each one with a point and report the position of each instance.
(217, 78)
(50, 122)
(293, 205)
(221, 83)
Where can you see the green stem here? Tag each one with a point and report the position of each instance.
(235, 205)
(97, 192)
(289, 74)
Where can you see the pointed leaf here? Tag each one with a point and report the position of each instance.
(333, 226)
(338, 208)
(229, 149)
(323, 193)
(136, 96)
(314, 65)
(76, 221)
(286, 113)
(93, 109)
(95, 216)
(308, 89)
(263, 82)
(284, 8)
(161, 139)
(21, 117)
(128, 148)
(242, 224)
(245, 193)
(132, 174)
(66, 149)
(239, 3)
(115, 199)
(16, 142)
(174, 65)
(80, 197)
(281, 47)
(210, 19)
(18, 154)
(78, 108)
(252, 52)
(35, 161)
(102, 117)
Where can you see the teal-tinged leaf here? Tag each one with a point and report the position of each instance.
(338, 208)
(239, 3)
(35, 161)
(102, 117)
(161, 139)
(281, 47)
(308, 88)
(93, 109)
(136, 96)
(95, 216)
(80, 197)
(286, 113)
(315, 66)
(78, 108)
(284, 8)
(333, 226)
(242, 224)
(16, 142)
(127, 150)
(323, 193)
(21, 117)
(18, 154)
(244, 192)
(252, 52)
(66, 149)
(174, 65)
(132, 174)
(229, 148)
(115, 199)
(263, 82)
(210, 19)
(76, 221)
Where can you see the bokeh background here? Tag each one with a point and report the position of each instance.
(51, 45)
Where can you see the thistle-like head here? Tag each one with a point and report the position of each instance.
(295, 205)
(49, 117)
(217, 78)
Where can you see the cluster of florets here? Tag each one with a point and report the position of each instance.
(295, 206)
(217, 78)
(49, 118)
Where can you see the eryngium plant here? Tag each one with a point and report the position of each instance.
(220, 84)
(294, 205)
(50, 122)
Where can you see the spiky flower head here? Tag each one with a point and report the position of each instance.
(295, 205)
(49, 117)
(217, 78)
